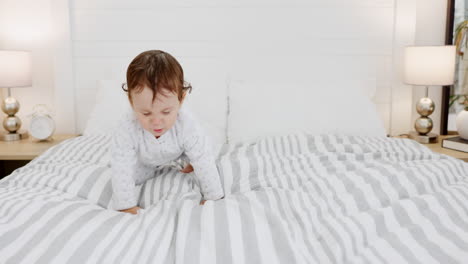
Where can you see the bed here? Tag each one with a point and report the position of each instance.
(296, 198)
(318, 188)
(309, 173)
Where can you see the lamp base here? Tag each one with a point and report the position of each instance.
(424, 139)
(13, 136)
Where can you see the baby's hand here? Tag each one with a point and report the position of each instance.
(133, 210)
(187, 169)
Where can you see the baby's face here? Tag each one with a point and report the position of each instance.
(156, 116)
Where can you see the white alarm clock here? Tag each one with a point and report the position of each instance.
(42, 126)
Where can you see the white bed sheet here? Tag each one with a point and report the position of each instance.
(296, 198)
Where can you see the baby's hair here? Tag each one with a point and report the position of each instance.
(157, 70)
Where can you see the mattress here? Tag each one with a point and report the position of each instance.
(296, 198)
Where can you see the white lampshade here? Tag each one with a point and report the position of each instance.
(429, 65)
(15, 69)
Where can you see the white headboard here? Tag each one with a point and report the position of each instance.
(350, 39)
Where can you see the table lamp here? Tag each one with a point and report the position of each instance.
(428, 65)
(15, 71)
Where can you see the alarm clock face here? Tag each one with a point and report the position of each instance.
(42, 127)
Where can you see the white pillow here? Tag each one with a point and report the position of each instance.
(112, 103)
(216, 134)
(258, 109)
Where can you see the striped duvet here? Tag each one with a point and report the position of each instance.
(289, 199)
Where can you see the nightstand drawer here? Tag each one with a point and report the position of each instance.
(15, 154)
(8, 166)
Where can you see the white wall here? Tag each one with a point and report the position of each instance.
(343, 34)
(25, 25)
(263, 40)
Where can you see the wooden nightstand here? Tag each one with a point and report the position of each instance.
(437, 147)
(15, 154)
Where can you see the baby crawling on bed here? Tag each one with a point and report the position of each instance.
(158, 131)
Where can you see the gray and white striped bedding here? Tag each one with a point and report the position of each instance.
(289, 199)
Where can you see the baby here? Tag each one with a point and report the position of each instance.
(158, 132)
